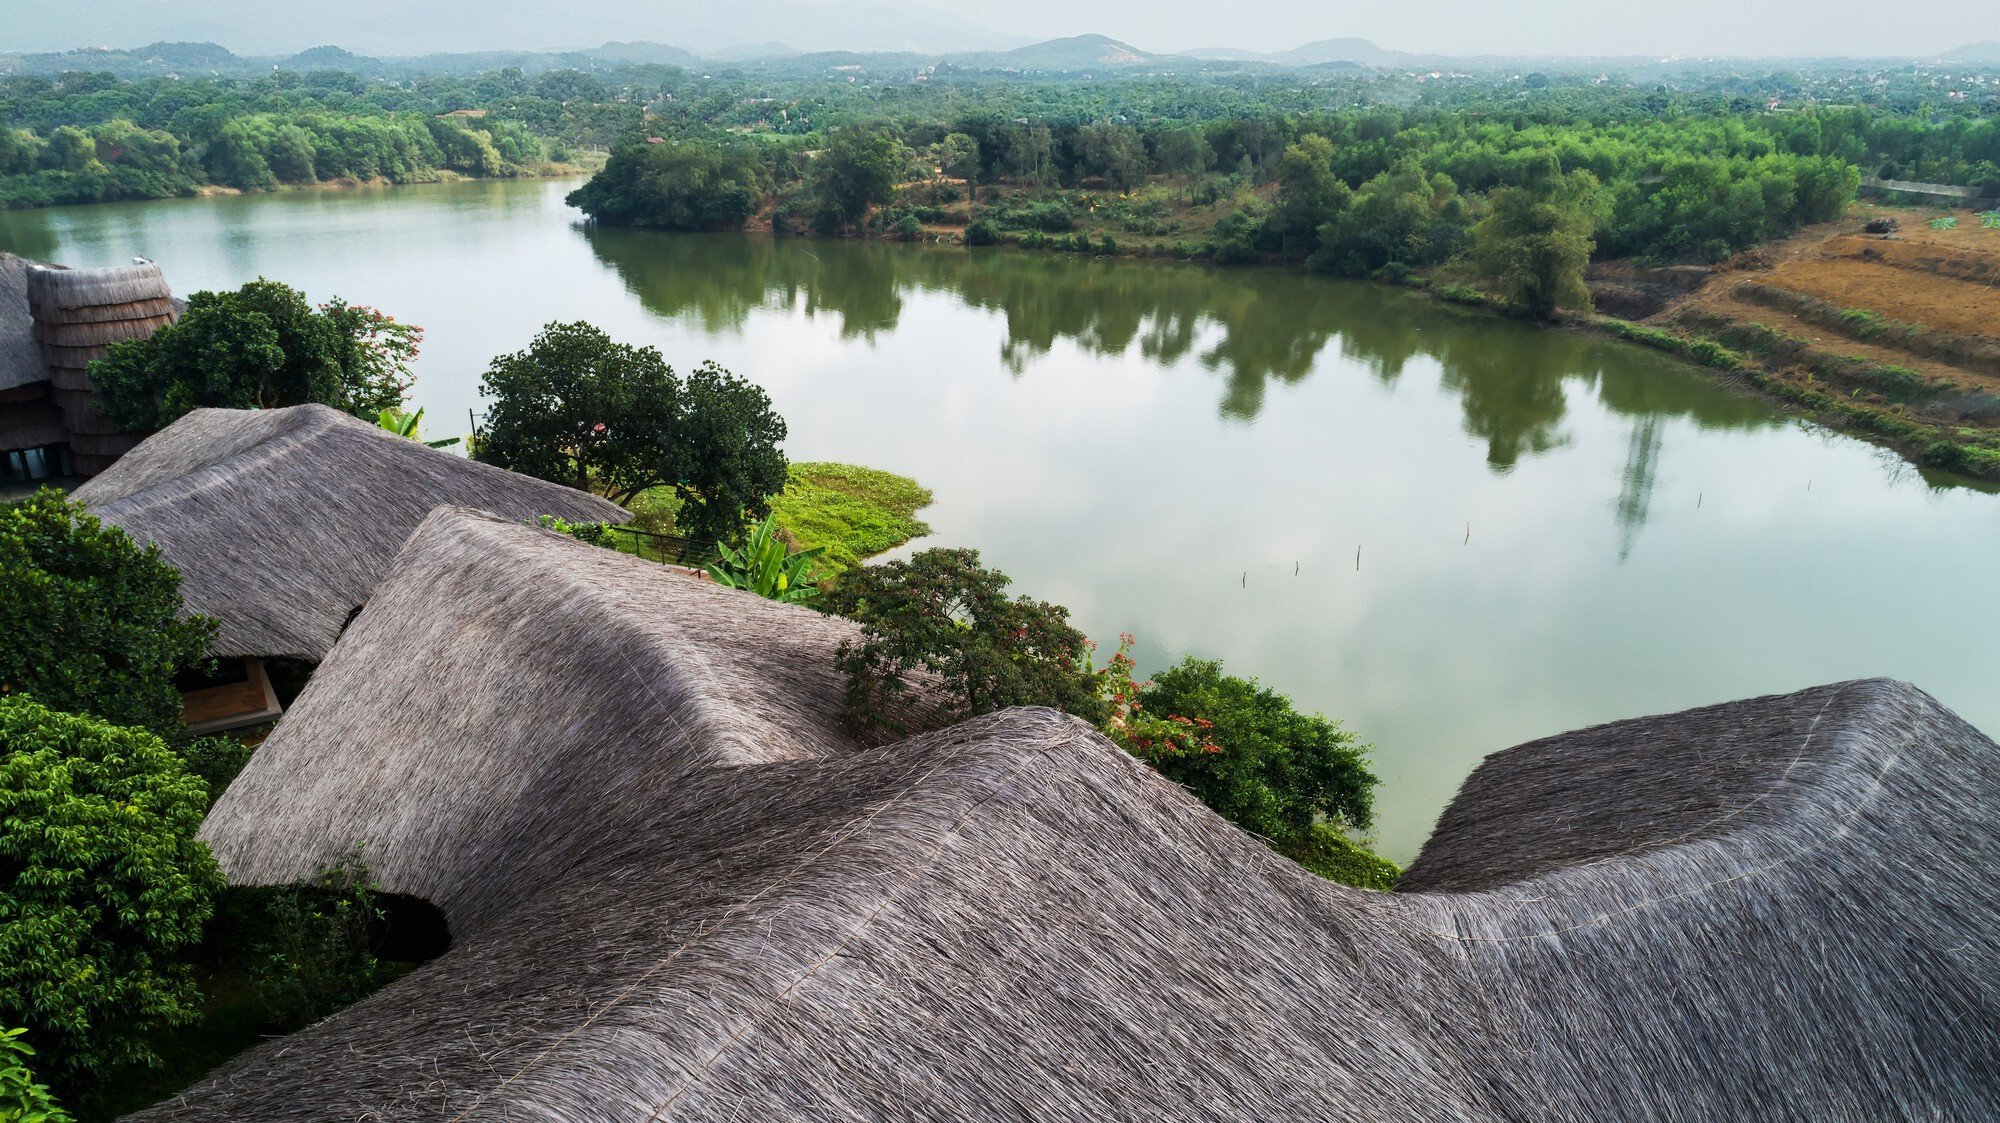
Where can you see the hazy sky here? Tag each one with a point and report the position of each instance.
(1732, 27)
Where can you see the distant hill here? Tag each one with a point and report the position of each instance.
(328, 58)
(206, 56)
(1320, 53)
(641, 53)
(1076, 53)
(1984, 52)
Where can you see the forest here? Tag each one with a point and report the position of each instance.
(1681, 161)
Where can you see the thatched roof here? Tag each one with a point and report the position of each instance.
(20, 359)
(282, 521)
(676, 892)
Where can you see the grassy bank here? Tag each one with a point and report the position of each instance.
(850, 512)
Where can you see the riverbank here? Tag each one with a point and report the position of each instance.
(1882, 335)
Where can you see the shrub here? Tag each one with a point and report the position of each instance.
(942, 613)
(906, 229)
(594, 534)
(1248, 754)
(21, 1099)
(982, 232)
(767, 567)
(102, 887)
(91, 618)
(1945, 222)
(306, 945)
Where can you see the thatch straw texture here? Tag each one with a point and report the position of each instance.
(32, 423)
(283, 521)
(77, 314)
(20, 359)
(59, 295)
(677, 894)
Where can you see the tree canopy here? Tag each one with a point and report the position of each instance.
(674, 186)
(581, 409)
(1535, 240)
(102, 887)
(941, 612)
(92, 618)
(259, 347)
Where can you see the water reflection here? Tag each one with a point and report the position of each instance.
(1252, 327)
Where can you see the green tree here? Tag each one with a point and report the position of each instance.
(259, 347)
(1405, 216)
(91, 618)
(674, 186)
(578, 408)
(1116, 152)
(942, 613)
(103, 887)
(71, 150)
(859, 167)
(1535, 241)
(1253, 758)
(1309, 195)
(958, 157)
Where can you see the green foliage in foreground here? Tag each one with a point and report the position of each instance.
(305, 946)
(849, 512)
(103, 887)
(91, 618)
(767, 567)
(262, 346)
(942, 613)
(22, 1100)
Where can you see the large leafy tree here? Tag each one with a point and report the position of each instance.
(941, 613)
(91, 618)
(261, 346)
(102, 887)
(674, 186)
(1310, 195)
(1535, 241)
(581, 409)
(859, 167)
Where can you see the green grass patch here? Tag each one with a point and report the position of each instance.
(851, 512)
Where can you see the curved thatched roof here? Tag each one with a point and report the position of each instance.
(282, 521)
(20, 359)
(677, 893)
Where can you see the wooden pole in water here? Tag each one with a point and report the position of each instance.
(1246, 578)
(1468, 535)
(1357, 559)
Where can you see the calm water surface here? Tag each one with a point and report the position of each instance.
(1551, 531)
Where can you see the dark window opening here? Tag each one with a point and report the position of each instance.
(409, 929)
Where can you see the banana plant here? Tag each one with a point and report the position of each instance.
(405, 425)
(767, 567)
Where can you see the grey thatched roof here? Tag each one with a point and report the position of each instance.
(282, 521)
(676, 892)
(20, 358)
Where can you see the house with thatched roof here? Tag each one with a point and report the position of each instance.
(53, 323)
(282, 522)
(675, 890)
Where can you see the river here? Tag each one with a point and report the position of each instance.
(1452, 532)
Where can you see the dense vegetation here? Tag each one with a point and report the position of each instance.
(259, 347)
(118, 942)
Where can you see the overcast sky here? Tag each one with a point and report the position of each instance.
(1728, 27)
